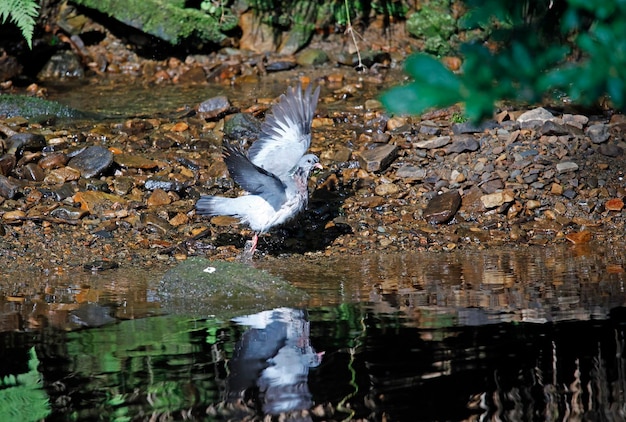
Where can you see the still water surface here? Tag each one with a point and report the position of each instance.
(524, 334)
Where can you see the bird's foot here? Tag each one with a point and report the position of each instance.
(248, 250)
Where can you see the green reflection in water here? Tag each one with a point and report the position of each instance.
(22, 396)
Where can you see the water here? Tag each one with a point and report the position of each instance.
(521, 334)
(497, 334)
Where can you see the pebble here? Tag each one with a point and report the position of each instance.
(614, 204)
(7, 164)
(534, 118)
(610, 150)
(61, 175)
(497, 199)
(378, 158)
(386, 189)
(92, 161)
(8, 187)
(167, 185)
(53, 160)
(433, 143)
(598, 133)
(411, 172)
(442, 208)
(213, 107)
(462, 143)
(134, 161)
(158, 197)
(566, 166)
(20, 142)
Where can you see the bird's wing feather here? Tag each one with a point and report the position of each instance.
(286, 132)
(254, 179)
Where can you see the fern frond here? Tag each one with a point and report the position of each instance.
(22, 13)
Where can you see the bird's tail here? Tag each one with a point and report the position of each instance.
(213, 205)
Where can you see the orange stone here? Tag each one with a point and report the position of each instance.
(579, 237)
(615, 204)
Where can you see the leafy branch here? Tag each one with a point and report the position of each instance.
(22, 13)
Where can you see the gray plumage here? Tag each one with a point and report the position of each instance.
(275, 172)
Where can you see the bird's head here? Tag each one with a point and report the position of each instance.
(307, 163)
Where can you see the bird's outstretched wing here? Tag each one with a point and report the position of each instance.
(254, 179)
(286, 132)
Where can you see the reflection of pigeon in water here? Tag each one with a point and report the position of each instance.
(275, 355)
(275, 172)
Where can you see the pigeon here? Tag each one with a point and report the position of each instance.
(276, 169)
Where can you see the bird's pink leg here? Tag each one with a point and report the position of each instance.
(249, 249)
(255, 240)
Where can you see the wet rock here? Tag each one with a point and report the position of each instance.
(98, 203)
(242, 126)
(442, 207)
(167, 185)
(566, 166)
(68, 213)
(195, 75)
(198, 285)
(386, 189)
(469, 127)
(31, 107)
(8, 187)
(411, 172)
(92, 161)
(64, 191)
(610, 150)
(134, 161)
(579, 237)
(433, 143)
(535, 118)
(158, 197)
(31, 171)
(312, 57)
(62, 175)
(62, 65)
(213, 107)
(53, 160)
(15, 215)
(21, 142)
(462, 143)
(100, 265)
(156, 222)
(497, 199)
(7, 164)
(598, 133)
(377, 158)
(280, 65)
(91, 314)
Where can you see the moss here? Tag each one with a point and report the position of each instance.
(226, 289)
(434, 24)
(168, 20)
(31, 107)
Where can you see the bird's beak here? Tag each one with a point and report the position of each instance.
(318, 166)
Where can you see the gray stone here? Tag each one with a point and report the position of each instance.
(377, 158)
(411, 172)
(469, 127)
(213, 107)
(598, 133)
(538, 115)
(92, 161)
(610, 150)
(433, 143)
(566, 166)
(462, 143)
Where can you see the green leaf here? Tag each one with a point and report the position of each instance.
(22, 13)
